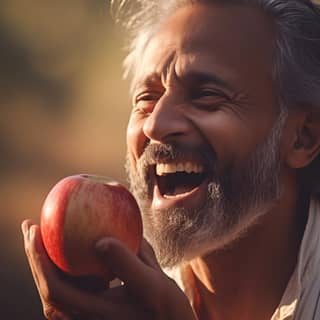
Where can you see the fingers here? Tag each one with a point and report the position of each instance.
(34, 250)
(147, 290)
(150, 286)
(42, 269)
(54, 314)
(147, 255)
(29, 230)
(53, 291)
(60, 299)
(139, 278)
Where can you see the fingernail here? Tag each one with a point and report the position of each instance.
(102, 244)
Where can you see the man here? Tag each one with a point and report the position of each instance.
(223, 143)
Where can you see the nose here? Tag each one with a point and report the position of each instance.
(167, 120)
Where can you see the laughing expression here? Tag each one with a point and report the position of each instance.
(204, 132)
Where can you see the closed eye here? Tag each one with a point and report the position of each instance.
(207, 92)
(146, 101)
(209, 99)
(147, 96)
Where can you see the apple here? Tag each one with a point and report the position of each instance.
(78, 211)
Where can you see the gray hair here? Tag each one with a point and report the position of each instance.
(296, 60)
(296, 70)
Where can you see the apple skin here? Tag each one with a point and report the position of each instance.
(78, 211)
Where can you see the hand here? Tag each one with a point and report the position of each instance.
(147, 293)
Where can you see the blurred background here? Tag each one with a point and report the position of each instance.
(64, 108)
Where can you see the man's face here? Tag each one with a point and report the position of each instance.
(203, 136)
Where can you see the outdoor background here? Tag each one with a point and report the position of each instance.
(64, 108)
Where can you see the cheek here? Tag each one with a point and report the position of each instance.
(231, 137)
(136, 140)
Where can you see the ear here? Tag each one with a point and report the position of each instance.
(305, 139)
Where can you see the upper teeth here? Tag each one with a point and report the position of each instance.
(165, 168)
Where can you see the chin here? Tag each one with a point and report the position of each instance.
(226, 204)
(180, 243)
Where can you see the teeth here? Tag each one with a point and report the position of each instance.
(169, 168)
(180, 167)
(189, 167)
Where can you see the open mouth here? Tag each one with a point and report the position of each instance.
(174, 179)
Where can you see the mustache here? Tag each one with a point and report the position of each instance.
(175, 152)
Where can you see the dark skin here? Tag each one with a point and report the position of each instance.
(233, 114)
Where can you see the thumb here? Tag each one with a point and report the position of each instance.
(149, 285)
(139, 278)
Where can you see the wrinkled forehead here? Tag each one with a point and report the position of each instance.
(226, 37)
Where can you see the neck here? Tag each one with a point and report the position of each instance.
(247, 279)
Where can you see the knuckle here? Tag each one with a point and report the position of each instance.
(49, 311)
(27, 246)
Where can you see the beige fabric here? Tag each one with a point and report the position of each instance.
(301, 299)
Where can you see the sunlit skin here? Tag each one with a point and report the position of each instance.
(204, 80)
(232, 116)
(232, 110)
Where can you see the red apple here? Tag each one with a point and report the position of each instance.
(77, 212)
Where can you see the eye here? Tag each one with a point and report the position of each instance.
(146, 97)
(208, 99)
(144, 102)
(202, 93)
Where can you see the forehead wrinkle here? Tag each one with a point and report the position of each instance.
(178, 68)
(163, 71)
(168, 74)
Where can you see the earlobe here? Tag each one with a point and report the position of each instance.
(306, 141)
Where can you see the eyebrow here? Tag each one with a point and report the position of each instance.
(147, 81)
(199, 77)
(191, 77)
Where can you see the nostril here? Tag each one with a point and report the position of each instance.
(160, 125)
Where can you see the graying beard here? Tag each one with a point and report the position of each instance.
(177, 232)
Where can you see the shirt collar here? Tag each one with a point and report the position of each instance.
(306, 267)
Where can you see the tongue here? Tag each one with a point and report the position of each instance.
(178, 190)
